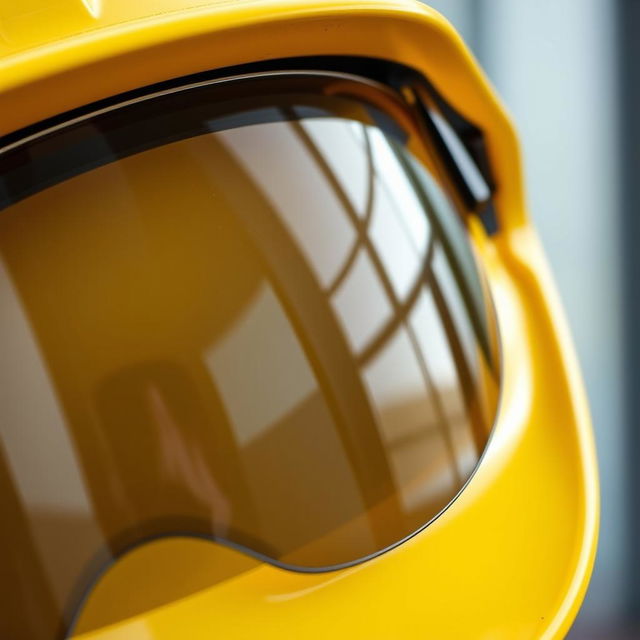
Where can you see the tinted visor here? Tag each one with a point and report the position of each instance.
(245, 312)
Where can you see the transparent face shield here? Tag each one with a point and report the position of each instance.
(244, 312)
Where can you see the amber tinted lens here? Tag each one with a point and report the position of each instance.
(254, 319)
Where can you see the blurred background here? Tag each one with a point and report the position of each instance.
(567, 71)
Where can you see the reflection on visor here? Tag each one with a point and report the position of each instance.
(270, 333)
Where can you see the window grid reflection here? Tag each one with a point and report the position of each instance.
(401, 308)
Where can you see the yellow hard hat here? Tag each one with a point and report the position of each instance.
(281, 353)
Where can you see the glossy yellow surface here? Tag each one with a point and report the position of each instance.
(511, 558)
